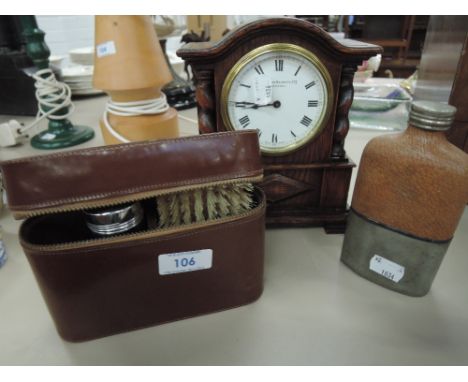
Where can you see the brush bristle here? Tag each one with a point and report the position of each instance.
(204, 204)
(198, 206)
(163, 210)
(174, 210)
(211, 204)
(185, 208)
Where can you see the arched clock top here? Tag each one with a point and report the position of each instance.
(341, 49)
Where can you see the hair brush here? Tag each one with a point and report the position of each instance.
(204, 204)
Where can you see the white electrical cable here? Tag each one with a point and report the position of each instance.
(51, 95)
(131, 109)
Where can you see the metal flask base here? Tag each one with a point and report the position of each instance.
(392, 259)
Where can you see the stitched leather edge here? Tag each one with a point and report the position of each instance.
(134, 190)
(108, 149)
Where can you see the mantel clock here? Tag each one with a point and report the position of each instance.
(293, 82)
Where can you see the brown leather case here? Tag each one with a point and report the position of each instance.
(98, 287)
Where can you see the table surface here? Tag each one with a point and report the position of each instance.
(314, 310)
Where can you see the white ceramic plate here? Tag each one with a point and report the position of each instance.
(87, 85)
(87, 92)
(74, 72)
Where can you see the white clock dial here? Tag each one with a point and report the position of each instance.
(282, 93)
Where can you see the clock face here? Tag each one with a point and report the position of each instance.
(283, 91)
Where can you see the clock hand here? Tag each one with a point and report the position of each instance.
(243, 103)
(275, 104)
(252, 105)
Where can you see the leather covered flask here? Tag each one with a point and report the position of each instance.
(410, 193)
(198, 248)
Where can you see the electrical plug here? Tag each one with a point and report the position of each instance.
(10, 133)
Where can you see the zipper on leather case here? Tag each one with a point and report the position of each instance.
(109, 202)
(152, 233)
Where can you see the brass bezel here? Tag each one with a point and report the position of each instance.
(280, 47)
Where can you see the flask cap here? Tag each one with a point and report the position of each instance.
(430, 115)
(114, 220)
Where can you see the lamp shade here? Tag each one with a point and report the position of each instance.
(128, 56)
(130, 66)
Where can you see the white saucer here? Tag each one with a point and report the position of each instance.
(87, 91)
(74, 72)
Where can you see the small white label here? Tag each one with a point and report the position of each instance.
(262, 90)
(180, 262)
(48, 136)
(106, 49)
(387, 268)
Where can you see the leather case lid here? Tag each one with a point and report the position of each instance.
(81, 177)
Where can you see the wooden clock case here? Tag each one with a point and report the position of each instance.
(309, 186)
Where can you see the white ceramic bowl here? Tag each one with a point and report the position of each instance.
(56, 60)
(83, 56)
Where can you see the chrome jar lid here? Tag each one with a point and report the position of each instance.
(431, 115)
(114, 220)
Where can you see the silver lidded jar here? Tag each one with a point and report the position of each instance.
(114, 220)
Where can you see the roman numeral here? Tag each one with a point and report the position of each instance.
(244, 121)
(245, 86)
(259, 133)
(297, 71)
(292, 133)
(279, 65)
(259, 69)
(310, 84)
(274, 138)
(306, 121)
(312, 103)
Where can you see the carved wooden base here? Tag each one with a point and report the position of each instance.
(332, 222)
(308, 195)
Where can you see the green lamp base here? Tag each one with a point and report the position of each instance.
(58, 139)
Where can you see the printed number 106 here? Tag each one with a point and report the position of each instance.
(184, 262)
